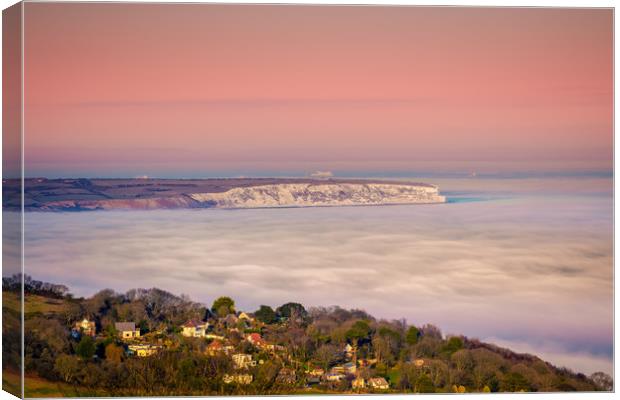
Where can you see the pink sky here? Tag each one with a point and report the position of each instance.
(191, 90)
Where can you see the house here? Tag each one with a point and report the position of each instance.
(127, 330)
(367, 362)
(286, 376)
(334, 377)
(316, 372)
(313, 380)
(195, 328)
(85, 327)
(243, 361)
(144, 350)
(349, 350)
(418, 362)
(256, 340)
(358, 383)
(378, 383)
(350, 368)
(338, 369)
(245, 317)
(217, 346)
(273, 347)
(241, 379)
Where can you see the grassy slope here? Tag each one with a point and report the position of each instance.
(33, 385)
(11, 382)
(11, 322)
(38, 304)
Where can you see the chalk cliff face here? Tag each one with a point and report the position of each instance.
(286, 194)
(311, 195)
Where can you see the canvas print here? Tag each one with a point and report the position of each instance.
(219, 199)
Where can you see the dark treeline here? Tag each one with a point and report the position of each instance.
(14, 284)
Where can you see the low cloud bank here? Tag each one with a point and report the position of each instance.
(579, 361)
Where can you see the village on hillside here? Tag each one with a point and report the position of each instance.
(151, 342)
(237, 336)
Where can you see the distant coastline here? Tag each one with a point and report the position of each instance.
(41, 194)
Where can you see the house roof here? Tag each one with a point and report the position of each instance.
(255, 337)
(193, 323)
(125, 326)
(216, 344)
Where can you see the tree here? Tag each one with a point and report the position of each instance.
(603, 381)
(114, 353)
(290, 310)
(86, 348)
(413, 334)
(266, 375)
(68, 367)
(392, 339)
(223, 306)
(463, 360)
(514, 382)
(92, 375)
(265, 314)
(359, 331)
(424, 384)
(326, 355)
(454, 343)
(431, 331)
(382, 349)
(186, 373)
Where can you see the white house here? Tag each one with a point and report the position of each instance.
(243, 360)
(378, 383)
(195, 328)
(127, 330)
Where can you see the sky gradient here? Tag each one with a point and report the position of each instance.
(201, 90)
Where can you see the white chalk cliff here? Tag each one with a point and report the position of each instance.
(328, 194)
(303, 194)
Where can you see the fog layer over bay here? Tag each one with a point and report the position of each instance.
(523, 263)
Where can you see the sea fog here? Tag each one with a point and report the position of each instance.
(523, 263)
